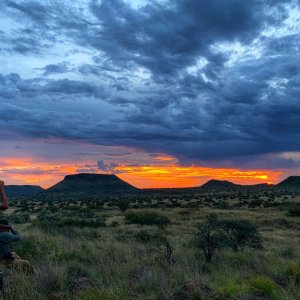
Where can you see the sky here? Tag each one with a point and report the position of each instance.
(162, 93)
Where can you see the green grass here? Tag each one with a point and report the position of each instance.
(128, 261)
(263, 285)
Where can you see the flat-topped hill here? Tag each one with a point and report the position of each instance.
(91, 184)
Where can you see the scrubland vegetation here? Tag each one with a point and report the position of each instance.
(158, 246)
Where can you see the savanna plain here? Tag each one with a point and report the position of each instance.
(208, 245)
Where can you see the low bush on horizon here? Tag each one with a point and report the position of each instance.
(147, 218)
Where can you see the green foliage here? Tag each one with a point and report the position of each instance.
(255, 203)
(19, 218)
(81, 219)
(293, 271)
(294, 211)
(147, 218)
(27, 248)
(78, 222)
(263, 285)
(227, 288)
(123, 205)
(240, 233)
(147, 238)
(209, 237)
(77, 259)
(52, 278)
(102, 294)
(114, 224)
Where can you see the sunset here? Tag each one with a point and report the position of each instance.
(162, 173)
(149, 149)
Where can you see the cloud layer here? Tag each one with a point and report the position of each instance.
(209, 82)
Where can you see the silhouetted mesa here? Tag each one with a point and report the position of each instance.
(91, 184)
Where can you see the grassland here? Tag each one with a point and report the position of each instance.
(85, 250)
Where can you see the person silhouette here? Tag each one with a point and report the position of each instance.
(8, 236)
(4, 203)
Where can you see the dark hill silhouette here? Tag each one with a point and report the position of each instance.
(22, 190)
(91, 184)
(87, 184)
(292, 182)
(218, 184)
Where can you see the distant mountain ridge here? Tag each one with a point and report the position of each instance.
(292, 182)
(22, 190)
(91, 184)
(104, 184)
(218, 184)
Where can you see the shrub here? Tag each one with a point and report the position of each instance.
(228, 289)
(114, 224)
(255, 203)
(145, 237)
(78, 222)
(123, 205)
(19, 218)
(51, 278)
(209, 237)
(26, 247)
(45, 215)
(263, 285)
(240, 234)
(293, 271)
(147, 218)
(294, 211)
(102, 294)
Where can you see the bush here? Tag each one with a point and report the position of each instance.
(240, 234)
(209, 237)
(82, 222)
(228, 289)
(52, 278)
(293, 271)
(294, 211)
(145, 237)
(102, 294)
(147, 218)
(26, 248)
(263, 285)
(123, 205)
(19, 218)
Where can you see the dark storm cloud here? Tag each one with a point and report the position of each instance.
(13, 86)
(166, 38)
(56, 68)
(170, 73)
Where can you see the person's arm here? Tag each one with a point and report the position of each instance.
(8, 237)
(4, 203)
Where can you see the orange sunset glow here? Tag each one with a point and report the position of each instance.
(166, 175)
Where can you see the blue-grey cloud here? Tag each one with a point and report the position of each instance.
(210, 82)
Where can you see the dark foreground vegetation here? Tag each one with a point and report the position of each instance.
(159, 245)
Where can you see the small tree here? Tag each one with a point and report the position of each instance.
(123, 205)
(209, 237)
(240, 234)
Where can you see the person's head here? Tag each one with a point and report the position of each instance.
(4, 225)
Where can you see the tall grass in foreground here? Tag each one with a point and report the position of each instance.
(128, 261)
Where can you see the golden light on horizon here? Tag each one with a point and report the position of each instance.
(176, 176)
(29, 171)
